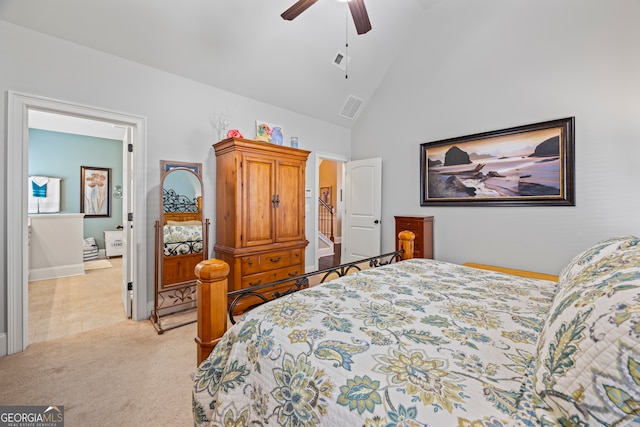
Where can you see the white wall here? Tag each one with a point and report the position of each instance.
(55, 245)
(486, 65)
(178, 113)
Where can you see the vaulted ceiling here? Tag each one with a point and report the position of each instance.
(242, 46)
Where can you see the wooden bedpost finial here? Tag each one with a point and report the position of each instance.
(212, 269)
(406, 239)
(211, 289)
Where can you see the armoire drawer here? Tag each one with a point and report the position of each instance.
(271, 276)
(270, 261)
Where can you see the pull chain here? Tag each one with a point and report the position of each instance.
(346, 42)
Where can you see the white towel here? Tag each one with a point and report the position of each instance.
(51, 203)
(32, 202)
(40, 180)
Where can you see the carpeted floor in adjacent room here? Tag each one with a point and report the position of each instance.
(120, 375)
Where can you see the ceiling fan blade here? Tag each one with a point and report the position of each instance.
(295, 10)
(360, 16)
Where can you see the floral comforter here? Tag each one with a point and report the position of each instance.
(416, 343)
(182, 239)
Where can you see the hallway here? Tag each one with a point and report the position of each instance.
(330, 260)
(68, 305)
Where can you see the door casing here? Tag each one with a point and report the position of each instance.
(312, 203)
(19, 105)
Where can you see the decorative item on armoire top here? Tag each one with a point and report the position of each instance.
(276, 136)
(294, 141)
(264, 131)
(221, 122)
(234, 133)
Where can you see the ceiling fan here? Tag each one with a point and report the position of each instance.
(358, 12)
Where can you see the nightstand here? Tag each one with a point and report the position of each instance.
(422, 227)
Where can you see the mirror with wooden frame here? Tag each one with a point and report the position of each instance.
(181, 243)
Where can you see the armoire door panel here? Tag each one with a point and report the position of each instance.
(290, 202)
(258, 194)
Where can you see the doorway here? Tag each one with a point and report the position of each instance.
(134, 188)
(329, 209)
(63, 302)
(359, 201)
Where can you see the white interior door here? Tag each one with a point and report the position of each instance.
(363, 209)
(127, 206)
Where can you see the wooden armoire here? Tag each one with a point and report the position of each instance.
(260, 212)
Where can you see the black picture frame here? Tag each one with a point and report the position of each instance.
(325, 195)
(530, 165)
(95, 192)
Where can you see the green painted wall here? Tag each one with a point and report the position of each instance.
(61, 155)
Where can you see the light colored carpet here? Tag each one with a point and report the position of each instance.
(97, 264)
(120, 375)
(69, 305)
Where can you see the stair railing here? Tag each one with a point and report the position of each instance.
(325, 219)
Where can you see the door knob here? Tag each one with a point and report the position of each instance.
(376, 222)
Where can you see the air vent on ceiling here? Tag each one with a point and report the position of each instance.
(351, 107)
(340, 60)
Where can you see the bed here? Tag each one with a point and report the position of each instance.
(425, 342)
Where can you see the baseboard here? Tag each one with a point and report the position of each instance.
(55, 272)
(3, 344)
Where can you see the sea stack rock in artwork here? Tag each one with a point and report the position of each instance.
(548, 148)
(456, 156)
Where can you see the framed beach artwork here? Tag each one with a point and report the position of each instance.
(95, 192)
(531, 165)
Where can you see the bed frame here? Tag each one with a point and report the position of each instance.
(514, 272)
(217, 306)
